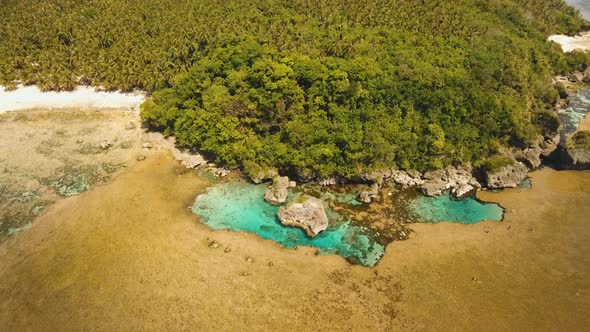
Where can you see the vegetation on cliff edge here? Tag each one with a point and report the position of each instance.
(316, 88)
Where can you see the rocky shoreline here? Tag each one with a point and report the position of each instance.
(508, 169)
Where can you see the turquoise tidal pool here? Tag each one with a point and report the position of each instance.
(579, 106)
(240, 206)
(447, 208)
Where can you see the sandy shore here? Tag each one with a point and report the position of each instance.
(24, 98)
(129, 255)
(568, 44)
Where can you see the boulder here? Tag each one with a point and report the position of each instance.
(366, 196)
(407, 179)
(576, 77)
(308, 214)
(578, 158)
(531, 156)
(548, 145)
(327, 182)
(508, 176)
(576, 153)
(221, 172)
(377, 176)
(434, 187)
(105, 145)
(462, 190)
(264, 174)
(459, 180)
(278, 191)
(586, 75)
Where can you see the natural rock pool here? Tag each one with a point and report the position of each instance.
(447, 208)
(238, 205)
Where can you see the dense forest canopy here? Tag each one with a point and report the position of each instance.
(314, 87)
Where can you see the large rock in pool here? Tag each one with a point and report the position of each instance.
(277, 193)
(307, 213)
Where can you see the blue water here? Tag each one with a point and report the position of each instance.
(579, 106)
(447, 208)
(240, 206)
(342, 198)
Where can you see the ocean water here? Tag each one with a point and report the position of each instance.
(240, 206)
(582, 5)
(446, 208)
(579, 106)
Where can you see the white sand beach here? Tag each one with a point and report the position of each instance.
(568, 44)
(28, 97)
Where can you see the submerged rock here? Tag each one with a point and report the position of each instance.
(278, 191)
(307, 214)
(105, 145)
(366, 196)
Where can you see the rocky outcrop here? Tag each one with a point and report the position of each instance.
(576, 152)
(578, 158)
(576, 77)
(407, 178)
(308, 214)
(541, 147)
(458, 180)
(366, 196)
(508, 176)
(327, 181)
(278, 191)
(531, 157)
(264, 174)
(549, 145)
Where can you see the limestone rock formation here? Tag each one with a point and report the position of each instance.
(366, 196)
(264, 174)
(576, 152)
(508, 176)
(407, 178)
(459, 180)
(308, 214)
(278, 191)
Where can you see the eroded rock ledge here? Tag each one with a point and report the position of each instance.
(307, 213)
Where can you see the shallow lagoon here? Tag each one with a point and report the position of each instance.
(239, 206)
(447, 208)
